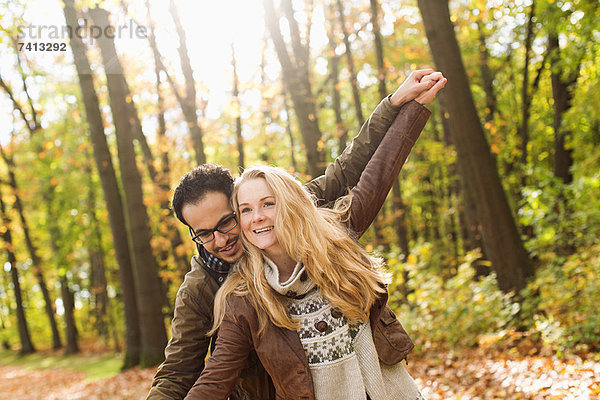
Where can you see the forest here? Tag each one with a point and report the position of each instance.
(490, 232)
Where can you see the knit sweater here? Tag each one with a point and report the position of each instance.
(341, 355)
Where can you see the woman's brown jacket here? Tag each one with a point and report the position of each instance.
(280, 350)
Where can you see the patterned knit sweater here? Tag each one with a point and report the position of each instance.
(342, 356)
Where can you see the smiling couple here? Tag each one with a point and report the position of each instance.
(300, 307)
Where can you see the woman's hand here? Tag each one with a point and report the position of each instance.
(421, 85)
(428, 95)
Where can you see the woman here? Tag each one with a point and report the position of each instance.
(306, 297)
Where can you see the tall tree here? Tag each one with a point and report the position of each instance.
(467, 214)
(381, 67)
(288, 129)
(168, 226)
(33, 126)
(24, 336)
(487, 77)
(188, 101)
(162, 125)
(102, 308)
(350, 63)
(147, 281)
(525, 92)
(110, 188)
(476, 165)
(66, 295)
(333, 62)
(399, 210)
(562, 93)
(99, 295)
(238, 111)
(35, 130)
(296, 75)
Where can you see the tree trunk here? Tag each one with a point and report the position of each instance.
(297, 83)
(431, 212)
(33, 253)
(162, 180)
(110, 188)
(147, 281)
(381, 68)
(24, 336)
(265, 103)
(97, 264)
(468, 220)
(67, 296)
(350, 62)
(68, 302)
(379, 239)
(238, 116)
(98, 286)
(288, 129)
(401, 229)
(336, 102)
(525, 95)
(486, 76)
(476, 165)
(562, 92)
(32, 125)
(448, 222)
(188, 106)
(399, 210)
(4, 342)
(162, 125)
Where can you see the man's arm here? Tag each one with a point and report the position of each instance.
(186, 351)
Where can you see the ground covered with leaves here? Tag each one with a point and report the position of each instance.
(460, 374)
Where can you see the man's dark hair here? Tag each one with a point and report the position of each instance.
(194, 185)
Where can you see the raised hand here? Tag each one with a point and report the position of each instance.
(421, 85)
(428, 95)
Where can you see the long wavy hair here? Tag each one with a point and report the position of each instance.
(347, 275)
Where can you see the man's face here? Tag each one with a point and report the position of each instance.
(207, 214)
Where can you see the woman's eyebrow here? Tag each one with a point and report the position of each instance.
(261, 199)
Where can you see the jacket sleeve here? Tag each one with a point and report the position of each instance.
(186, 351)
(226, 362)
(383, 168)
(345, 171)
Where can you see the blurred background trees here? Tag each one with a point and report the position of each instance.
(492, 225)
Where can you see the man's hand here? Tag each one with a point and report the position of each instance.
(421, 85)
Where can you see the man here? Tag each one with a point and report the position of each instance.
(201, 202)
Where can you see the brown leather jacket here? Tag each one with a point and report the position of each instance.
(189, 344)
(280, 350)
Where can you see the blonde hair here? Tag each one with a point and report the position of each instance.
(347, 275)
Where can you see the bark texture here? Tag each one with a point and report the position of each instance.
(110, 189)
(147, 282)
(296, 76)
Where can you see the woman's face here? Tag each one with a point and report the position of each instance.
(257, 209)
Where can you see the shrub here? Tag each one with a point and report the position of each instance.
(455, 311)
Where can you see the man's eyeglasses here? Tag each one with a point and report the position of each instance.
(208, 235)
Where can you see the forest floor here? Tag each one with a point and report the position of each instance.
(481, 373)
